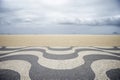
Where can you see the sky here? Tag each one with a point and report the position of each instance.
(85, 12)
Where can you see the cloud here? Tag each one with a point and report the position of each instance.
(75, 12)
(114, 20)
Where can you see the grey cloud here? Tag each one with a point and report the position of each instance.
(115, 20)
(87, 12)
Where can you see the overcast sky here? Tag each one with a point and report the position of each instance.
(62, 11)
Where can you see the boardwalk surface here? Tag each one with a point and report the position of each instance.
(60, 63)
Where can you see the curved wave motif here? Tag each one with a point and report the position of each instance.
(60, 48)
(100, 68)
(114, 74)
(63, 64)
(22, 67)
(4, 48)
(6, 74)
(110, 48)
(77, 63)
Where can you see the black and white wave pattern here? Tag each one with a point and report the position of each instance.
(59, 63)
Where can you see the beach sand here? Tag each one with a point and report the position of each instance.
(59, 40)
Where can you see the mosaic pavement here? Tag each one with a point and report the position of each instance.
(60, 63)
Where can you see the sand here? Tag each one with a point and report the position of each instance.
(59, 40)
